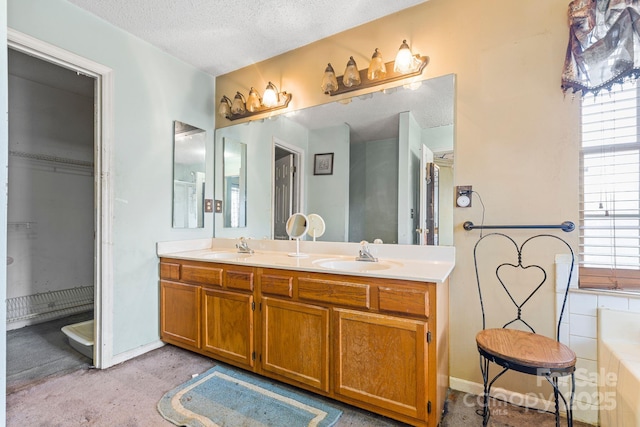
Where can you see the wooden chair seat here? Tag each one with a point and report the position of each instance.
(525, 351)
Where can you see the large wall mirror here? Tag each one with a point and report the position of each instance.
(188, 175)
(392, 171)
(235, 183)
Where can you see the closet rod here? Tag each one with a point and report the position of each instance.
(566, 226)
(53, 159)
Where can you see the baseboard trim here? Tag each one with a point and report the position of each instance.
(530, 401)
(138, 351)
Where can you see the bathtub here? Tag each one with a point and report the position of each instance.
(80, 337)
(619, 368)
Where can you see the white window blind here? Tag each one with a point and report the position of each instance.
(610, 180)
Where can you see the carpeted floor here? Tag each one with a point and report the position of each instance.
(127, 395)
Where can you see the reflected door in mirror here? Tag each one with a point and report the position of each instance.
(283, 196)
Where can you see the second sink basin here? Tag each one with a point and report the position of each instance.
(357, 266)
(225, 255)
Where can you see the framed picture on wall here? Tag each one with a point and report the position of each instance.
(323, 164)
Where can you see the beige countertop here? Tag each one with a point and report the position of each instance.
(404, 262)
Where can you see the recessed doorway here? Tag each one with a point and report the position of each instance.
(287, 186)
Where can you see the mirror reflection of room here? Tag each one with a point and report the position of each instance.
(382, 145)
(235, 184)
(188, 176)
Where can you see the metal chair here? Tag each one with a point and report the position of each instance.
(525, 350)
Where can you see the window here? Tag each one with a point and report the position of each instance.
(610, 189)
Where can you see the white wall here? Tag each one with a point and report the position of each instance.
(50, 213)
(328, 195)
(438, 138)
(151, 90)
(373, 195)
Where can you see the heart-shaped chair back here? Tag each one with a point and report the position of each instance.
(519, 280)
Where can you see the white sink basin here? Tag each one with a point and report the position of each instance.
(357, 266)
(225, 255)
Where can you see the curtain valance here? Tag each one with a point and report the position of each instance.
(604, 44)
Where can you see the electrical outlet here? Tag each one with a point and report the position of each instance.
(463, 196)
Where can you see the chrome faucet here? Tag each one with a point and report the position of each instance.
(243, 247)
(365, 254)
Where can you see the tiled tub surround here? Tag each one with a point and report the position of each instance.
(409, 262)
(619, 365)
(580, 332)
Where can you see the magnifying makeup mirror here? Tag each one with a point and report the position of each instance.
(316, 226)
(297, 226)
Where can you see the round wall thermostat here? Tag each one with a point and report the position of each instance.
(463, 201)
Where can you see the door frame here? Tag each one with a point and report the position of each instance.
(299, 176)
(103, 181)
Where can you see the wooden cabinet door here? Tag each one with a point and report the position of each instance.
(180, 313)
(295, 341)
(228, 326)
(381, 360)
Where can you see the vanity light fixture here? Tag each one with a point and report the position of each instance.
(377, 69)
(253, 100)
(405, 65)
(224, 110)
(240, 108)
(351, 75)
(329, 81)
(405, 61)
(270, 97)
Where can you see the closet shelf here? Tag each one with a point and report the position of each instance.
(53, 159)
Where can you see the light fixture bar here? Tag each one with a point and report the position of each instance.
(283, 102)
(390, 77)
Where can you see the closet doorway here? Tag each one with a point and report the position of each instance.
(72, 162)
(51, 212)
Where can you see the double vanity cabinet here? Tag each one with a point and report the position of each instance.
(377, 343)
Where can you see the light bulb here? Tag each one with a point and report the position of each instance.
(329, 81)
(224, 110)
(253, 101)
(351, 74)
(270, 96)
(404, 59)
(377, 68)
(238, 106)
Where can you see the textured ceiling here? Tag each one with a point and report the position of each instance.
(219, 36)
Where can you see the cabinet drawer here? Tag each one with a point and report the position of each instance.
(277, 285)
(169, 270)
(204, 275)
(238, 279)
(406, 301)
(330, 291)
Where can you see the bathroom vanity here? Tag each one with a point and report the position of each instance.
(374, 335)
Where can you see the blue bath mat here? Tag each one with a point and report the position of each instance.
(224, 397)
